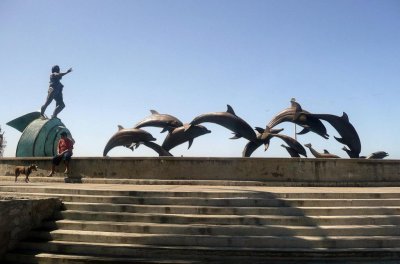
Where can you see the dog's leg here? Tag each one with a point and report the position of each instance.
(16, 175)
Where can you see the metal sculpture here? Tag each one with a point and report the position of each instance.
(164, 121)
(378, 155)
(297, 115)
(292, 152)
(229, 120)
(39, 135)
(346, 130)
(317, 154)
(185, 133)
(127, 137)
(154, 146)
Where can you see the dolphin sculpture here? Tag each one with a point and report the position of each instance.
(264, 136)
(229, 120)
(126, 136)
(292, 152)
(351, 153)
(297, 115)
(378, 155)
(325, 155)
(154, 146)
(182, 134)
(346, 130)
(164, 121)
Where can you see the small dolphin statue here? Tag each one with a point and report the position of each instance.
(182, 134)
(378, 155)
(346, 130)
(126, 136)
(297, 115)
(164, 121)
(325, 155)
(229, 120)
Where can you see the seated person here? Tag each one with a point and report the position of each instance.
(65, 146)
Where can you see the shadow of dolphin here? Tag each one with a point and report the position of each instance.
(126, 137)
(182, 134)
(346, 130)
(229, 120)
(164, 121)
(297, 115)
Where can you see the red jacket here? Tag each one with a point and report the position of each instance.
(65, 144)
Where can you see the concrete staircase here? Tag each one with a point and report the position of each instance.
(211, 224)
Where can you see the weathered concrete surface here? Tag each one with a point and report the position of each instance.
(18, 216)
(339, 172)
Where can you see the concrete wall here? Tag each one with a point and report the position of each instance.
(19, 216)
(274, 170)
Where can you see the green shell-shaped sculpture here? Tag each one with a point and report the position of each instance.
(39, 136)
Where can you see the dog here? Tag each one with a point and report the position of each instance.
(25, 170)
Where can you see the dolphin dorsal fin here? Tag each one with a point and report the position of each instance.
(230, 110)
(326, 152)
(153, 112)
(345, 116)
(120, 127)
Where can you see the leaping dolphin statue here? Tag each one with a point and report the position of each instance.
(229, 120)
(297, 115)
(182, 134)
(346, 130)
(164, 121)
(378, 155)
(126, 136)
(154, 146)
(317, 154)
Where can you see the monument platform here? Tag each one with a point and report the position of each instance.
(212, 210)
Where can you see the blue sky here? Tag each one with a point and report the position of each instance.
(187, 58)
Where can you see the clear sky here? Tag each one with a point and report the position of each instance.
(187, 58)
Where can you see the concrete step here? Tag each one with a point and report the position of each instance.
(215, 241)
(187, 209)
(211, 193)
(230, 202)
(230, 219)
(138, 250)
(220, 230)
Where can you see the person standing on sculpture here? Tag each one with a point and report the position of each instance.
(55, 91)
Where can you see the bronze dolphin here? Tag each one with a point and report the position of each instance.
(154, 146)
(346, 130)
(292, 152)
(229, 120)
(126, 137)
(378, 155)
(166, 122)
(325, 155)
(297, 115)
(182, 134)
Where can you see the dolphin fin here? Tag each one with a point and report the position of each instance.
(266, 146)
(326, 152)
(236, 136)
(190, 143)
(259, 130)
(230, 110)
(168, 128)
(345, 117)
(154, 112)
(340, 140)
(120, 127)
(304, 131)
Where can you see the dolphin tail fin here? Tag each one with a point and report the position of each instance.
(304, 131)
(190, 143)
(236, 136)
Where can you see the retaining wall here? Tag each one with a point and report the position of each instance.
(345, 172)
